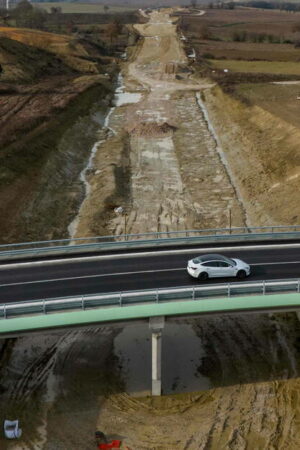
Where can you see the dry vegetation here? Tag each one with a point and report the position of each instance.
(278, 99)
(271, 67)
(71, 51)
(248, 51)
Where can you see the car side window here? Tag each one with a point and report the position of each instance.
(224, 264)
(211, 264)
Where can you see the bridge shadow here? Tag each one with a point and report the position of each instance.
(249, 348)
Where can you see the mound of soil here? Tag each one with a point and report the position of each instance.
(152, 129)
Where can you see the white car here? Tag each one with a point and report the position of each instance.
(213, 266)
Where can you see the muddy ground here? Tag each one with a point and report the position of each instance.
(166, 157)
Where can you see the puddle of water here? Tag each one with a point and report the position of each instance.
(181, 356)
(193, 54)
(125, 98)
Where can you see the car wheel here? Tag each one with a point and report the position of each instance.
(241, 274)
(203, 276)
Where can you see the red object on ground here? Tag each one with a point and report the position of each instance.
(112, 444)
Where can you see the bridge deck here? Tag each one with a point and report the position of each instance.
(225, 305)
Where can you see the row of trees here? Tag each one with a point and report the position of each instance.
(221, 5)
(244, 36)
(216, 5)
(293, 7)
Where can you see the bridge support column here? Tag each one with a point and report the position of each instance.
(156, 325)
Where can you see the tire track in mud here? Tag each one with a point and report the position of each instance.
(35, 374)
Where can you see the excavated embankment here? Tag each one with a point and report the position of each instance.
(51, 113)
(39, 183)
(263, 153)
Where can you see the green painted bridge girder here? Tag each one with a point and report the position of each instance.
(225, 305)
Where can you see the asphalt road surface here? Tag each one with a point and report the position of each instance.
(83, 276)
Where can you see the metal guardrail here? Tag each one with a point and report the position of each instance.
(156, 239)
(152, 296)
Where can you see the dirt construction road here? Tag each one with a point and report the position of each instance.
(176, 178)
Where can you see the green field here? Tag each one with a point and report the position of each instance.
(82, 7)
(271, 67)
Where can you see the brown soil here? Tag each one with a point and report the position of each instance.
(152, 129)
(263, 153)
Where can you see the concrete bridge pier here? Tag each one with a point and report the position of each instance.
(156, 325)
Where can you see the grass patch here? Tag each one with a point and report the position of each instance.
(247, 51)
(270, 67)
(279, 99)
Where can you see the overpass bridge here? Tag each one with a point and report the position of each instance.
(97, 281)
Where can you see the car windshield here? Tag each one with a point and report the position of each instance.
(207, 258)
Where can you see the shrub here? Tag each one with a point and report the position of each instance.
(239, 36)
(208, 56)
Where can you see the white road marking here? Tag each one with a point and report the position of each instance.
(102, 275)
(274, 263)
(137, 272)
